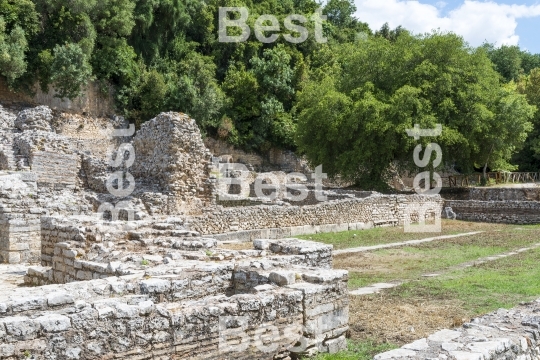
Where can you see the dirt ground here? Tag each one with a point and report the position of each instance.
(11, 276)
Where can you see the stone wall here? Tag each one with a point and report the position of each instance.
(19, 219)
(266, 297)
(493, 194)
(170, 153)
(512, 212)
(504, 334)
(275, 160)
(375, 210)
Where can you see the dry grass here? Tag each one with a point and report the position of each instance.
(394, 320)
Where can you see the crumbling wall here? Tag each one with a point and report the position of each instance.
(504, 334)
(170, 152)
(20, 239)
(269, 298)
(374, 210)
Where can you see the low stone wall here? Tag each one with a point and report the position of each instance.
(501, 335)
(512, 212)
(381, 209)
(492, 194)
(137, 327)
(265, 309)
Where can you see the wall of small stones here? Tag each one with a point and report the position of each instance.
(170, 153)
(19, 218)
(512, 212)
(492, 194)
(376, 210)
(504, 334)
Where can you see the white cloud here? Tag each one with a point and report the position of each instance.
(476, 21)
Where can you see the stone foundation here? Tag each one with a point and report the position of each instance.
(266, 303)
(505, 334)
(511, 212)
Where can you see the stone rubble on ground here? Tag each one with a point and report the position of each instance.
(503, 334)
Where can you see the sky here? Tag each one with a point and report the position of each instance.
(510, 22)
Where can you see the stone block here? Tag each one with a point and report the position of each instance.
(283, 278)
(53, 323)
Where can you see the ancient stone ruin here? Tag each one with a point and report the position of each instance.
(163, 271)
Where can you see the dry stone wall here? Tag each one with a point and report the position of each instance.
(512, 212)
(374, 210)
(170, 152)
(20, 231)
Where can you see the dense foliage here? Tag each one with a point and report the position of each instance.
(344, 103)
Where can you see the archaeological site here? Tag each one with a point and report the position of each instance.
(144, 245)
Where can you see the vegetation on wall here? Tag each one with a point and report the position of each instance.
(345, 103)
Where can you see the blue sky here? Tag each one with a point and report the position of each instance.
(498, 21)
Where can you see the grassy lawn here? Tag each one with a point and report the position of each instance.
(408, 263)
(385, 235)
(486, 287)
(422, 306)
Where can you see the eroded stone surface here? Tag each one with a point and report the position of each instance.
(504, 334)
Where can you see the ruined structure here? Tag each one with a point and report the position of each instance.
(163, 271)
(513, 205)
(504, 334)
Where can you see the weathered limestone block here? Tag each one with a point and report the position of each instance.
(38, 118)
(504, 334)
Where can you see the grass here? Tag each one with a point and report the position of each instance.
(385, 235)
(420, 307)
(358, 350)
(486, 287)
(411, 262)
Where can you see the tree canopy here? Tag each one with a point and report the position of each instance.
(353, 119)
(344, 103)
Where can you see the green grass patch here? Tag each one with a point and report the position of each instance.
(385, 235)
(503, 283)
(358, 350)
(413, 261)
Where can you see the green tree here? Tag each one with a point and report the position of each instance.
(507, 60)
(354, 120)
(528, 159)
(70, 70)
(12, 52)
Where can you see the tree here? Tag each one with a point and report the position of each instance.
(528, 159)
(507, 60)
(70, 70)
(354, 121)
(12, 52)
